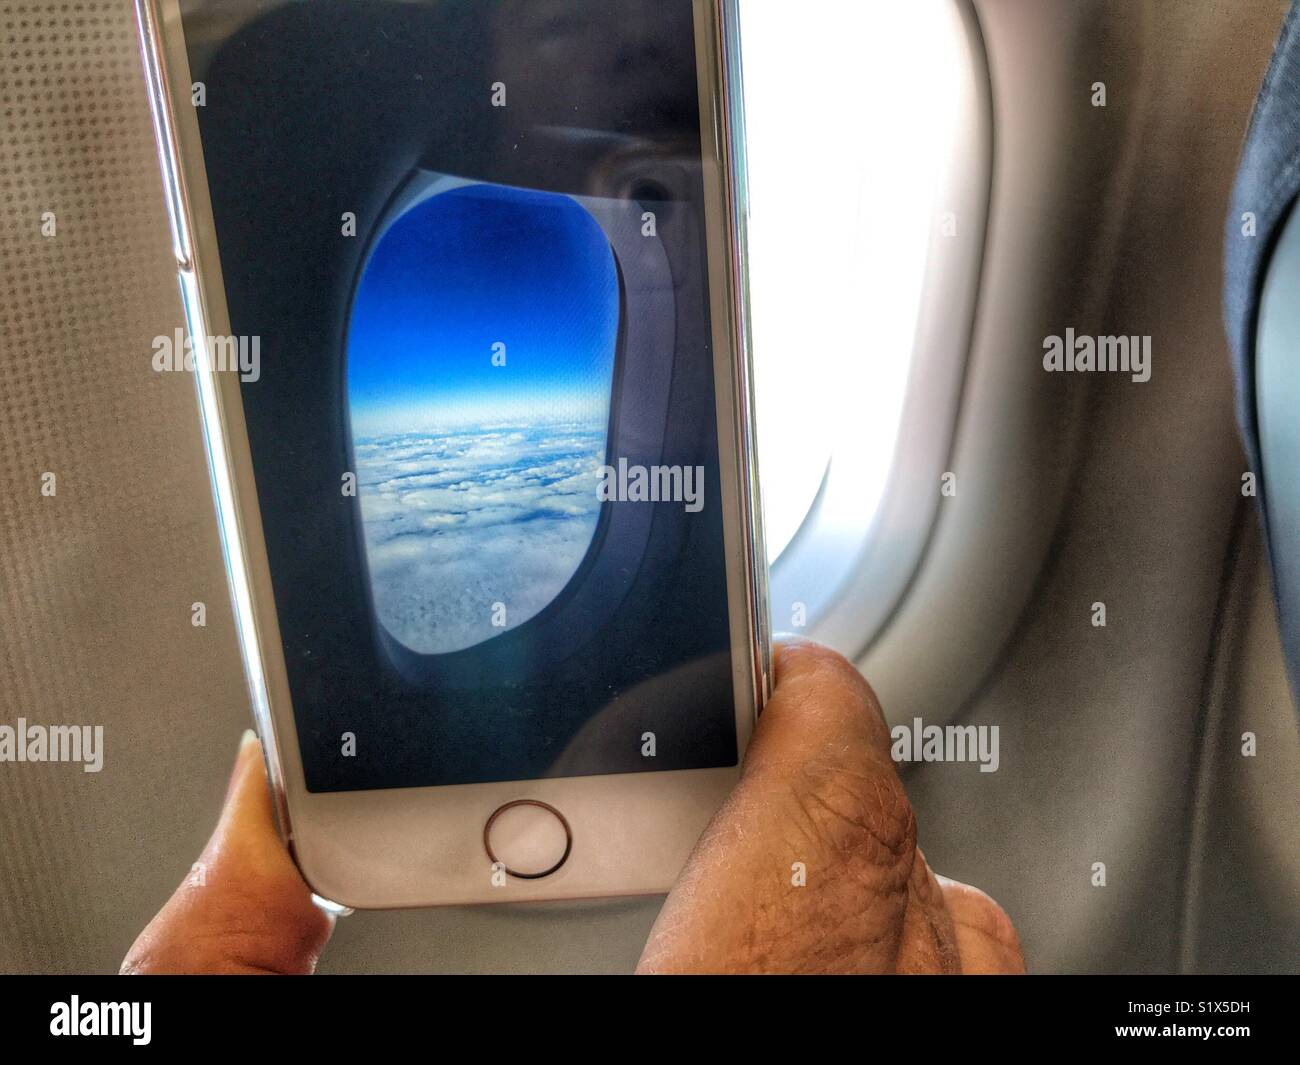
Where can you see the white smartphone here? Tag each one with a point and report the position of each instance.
(466, 307)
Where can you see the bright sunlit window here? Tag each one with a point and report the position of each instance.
(853, 113)
(847, 107)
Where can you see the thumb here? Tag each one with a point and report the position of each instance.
(818, 793)
(244, 908)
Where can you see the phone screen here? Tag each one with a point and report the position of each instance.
(463, 247)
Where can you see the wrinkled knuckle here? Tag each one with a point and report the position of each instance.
(864, 817)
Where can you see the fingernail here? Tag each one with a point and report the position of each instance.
(248, 737)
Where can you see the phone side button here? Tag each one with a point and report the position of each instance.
(529, 838)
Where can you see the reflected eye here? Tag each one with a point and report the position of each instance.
(480, 358)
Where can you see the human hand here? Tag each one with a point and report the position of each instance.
(819, 788)
(246, 908)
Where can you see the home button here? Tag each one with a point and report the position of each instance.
(529, 838)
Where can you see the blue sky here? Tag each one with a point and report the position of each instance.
(461, 271)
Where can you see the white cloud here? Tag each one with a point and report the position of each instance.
(460, 520)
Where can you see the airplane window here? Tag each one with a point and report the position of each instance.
(480, 363)
(854, 115)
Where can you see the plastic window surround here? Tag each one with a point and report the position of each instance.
(861, 341)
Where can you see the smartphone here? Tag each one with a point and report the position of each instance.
(465, 302)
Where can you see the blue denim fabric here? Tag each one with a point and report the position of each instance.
(1267, 185)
